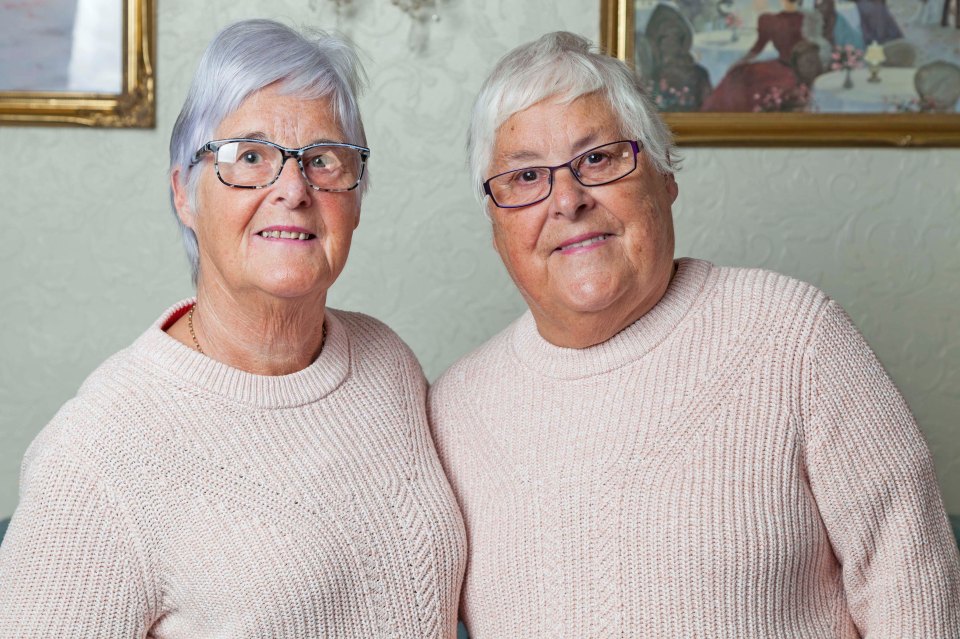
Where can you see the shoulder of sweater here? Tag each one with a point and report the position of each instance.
(491, 352)
(365, 326)
(761, 294)
(70, 435)
(370, 336)
(85, 420)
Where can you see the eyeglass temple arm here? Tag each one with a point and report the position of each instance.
(206, 148)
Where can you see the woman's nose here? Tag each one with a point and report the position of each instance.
(291, 185)
(569, 198)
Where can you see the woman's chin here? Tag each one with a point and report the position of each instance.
(292, 286)
(591, 297)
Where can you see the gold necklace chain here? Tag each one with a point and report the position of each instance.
(190, 326)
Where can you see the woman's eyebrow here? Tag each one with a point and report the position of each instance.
(589, 139)
(524, 155)
(252, 135)
(521, 156)
(260, 135)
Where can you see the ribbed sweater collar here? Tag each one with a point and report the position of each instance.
(627, 346)
(282, 391)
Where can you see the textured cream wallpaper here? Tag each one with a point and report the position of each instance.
(90, 255)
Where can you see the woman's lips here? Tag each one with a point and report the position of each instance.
(583, 243)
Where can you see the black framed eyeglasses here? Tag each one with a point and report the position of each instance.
(598, 166)
(247, 163)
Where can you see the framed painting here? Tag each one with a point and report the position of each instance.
(77, 62)
(795, 72)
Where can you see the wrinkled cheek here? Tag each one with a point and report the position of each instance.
(337, 252)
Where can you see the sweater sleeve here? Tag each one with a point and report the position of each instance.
(872, 476)
(68, 567)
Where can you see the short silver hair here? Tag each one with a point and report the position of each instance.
(248, 56)
(565, 66)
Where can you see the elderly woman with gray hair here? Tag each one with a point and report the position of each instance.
(667, 448)
(255, 464)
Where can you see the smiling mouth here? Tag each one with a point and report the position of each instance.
(286, 235)
(584, 243)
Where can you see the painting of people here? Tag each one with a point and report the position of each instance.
(821, 56)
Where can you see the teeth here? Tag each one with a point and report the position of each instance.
(286, 235)
(592, 240)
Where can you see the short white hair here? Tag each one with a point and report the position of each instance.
(244, 58)
(564, 66)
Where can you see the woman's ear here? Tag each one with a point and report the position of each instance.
(671, 185)
(181, 200)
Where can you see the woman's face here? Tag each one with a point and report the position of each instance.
(230, 223)
(602, 252)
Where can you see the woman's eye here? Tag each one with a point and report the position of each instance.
(596, 157)
(251, 157)
(527, 176)
(319, 162)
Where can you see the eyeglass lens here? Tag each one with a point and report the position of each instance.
(597, 166)
(248, 163)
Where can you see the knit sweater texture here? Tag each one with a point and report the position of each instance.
(734, 464)
(177, 497)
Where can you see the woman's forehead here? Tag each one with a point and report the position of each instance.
(555, 126)
(270, 113)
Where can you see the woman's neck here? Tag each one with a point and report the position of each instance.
(255, 332)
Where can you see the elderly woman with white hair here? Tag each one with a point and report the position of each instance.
(667, 448)
(255, 464)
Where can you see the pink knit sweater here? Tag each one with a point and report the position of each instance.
(734, 464)
(181, 498)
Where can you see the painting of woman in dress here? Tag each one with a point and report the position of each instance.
(748, 84)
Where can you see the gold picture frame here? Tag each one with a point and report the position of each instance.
(133, 107)
(617, 35)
